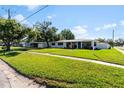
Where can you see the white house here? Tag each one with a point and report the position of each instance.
(34, 44)
(79, 43)
(102, 46)
(84, 43)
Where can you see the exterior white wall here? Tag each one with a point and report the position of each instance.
(64, 45)
(58, 46)
(53, 45)
(24, 44)
(77, 44)
(102, 46)
(92, 44)
(42, 45)
(81, 45)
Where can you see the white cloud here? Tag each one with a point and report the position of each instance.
(122, 33)
(5, 16)
(97, 28)
(20, 17)
(114, 25)
(32, 7)
(79, 32)
(122, 22)
(106, 26)
(51, 16)
(85, 26)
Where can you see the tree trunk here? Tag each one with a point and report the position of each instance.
(47, 44)
(8, 46)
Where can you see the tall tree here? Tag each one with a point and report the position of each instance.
(119, 42)
(66, 34)
(32, 35)
(110, 41)
(47, 32)
(101, 40)
(11, 31)
(52, 34)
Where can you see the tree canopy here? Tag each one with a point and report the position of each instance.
(11, 31)
(46, 31)
(66, 34)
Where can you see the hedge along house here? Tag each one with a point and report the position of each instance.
(70, 44)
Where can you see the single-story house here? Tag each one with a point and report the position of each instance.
(79, 43)
(34, 44)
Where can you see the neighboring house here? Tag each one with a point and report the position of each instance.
(80, 44)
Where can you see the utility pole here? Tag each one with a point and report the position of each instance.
(113, 36)
(9, 16)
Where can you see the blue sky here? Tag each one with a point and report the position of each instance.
(84, 21)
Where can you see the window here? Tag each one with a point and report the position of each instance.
(60, 44)
(94, 43)
(53, 44)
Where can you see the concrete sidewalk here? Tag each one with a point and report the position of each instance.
(9, 78)
(120, 50)
(81, 59)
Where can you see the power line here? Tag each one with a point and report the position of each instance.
(9, 15)
(34, 13)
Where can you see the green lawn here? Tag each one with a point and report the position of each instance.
(16, 48)
(62, 72)
(108, 55)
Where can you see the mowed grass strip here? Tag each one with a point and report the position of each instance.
(108, 55)
(61, 72)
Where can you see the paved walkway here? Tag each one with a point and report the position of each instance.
(9, 78)
(82, 59)
(119, 49)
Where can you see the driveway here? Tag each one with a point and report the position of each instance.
(9, 78)
(4, 82)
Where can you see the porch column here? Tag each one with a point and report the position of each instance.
(92, 43)
(71, 44)
(65, 44)
(77, 44)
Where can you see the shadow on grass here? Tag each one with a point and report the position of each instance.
(9, 53)
(22, 49)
